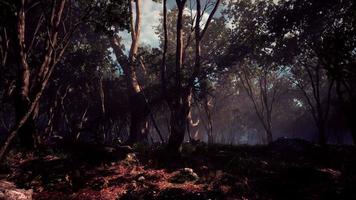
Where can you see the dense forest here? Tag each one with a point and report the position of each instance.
(184, 99)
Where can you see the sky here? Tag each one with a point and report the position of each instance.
(151, 13)
(150, 19)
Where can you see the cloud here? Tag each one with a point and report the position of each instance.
(150, 19)
(150, 15)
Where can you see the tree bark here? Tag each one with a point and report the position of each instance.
(269, 135)
(21, 96)
(139, 120)
(27, 96)
(178, 124)
(26, 133)
(322, 136)
(183, 95)
(138, 109)
(353, 132)
(165, 46)
(179, 112)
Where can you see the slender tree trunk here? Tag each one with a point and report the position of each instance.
(26, 101)
(350, 113)
(26, 133)
(4, 148)
(183, 95)
(321, 126)
(188, 128)
(322, 136)
(199, 34)
(353, 132)
(178, 124)
(269, 135)
(21, 98)
(180, 109)
(138, 108)
(352, 122)
(165, 46)
(209, 121)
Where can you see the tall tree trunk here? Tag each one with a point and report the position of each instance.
(138, 108)
(21, 98)
(269, 135)
(165, 46)
(178, 127)
(26, 101)
(352, 122)
(139, 117)
(322, 136)
(179, 116)
(137, 104)
(199, 34)
(349, 111)
(353, 132)
(26, 133)
(179, 112)
(139, 120)
(183, 95)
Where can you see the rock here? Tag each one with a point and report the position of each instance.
(184, 175)
(188, 170)
(8, 191)
(178, 193)
(131, 159)
(18, 194)
(204, 168)
(331, 172)
(141, 178)
(2, 195)
(6, 185)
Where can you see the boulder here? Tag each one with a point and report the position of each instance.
(8, 191)
(184, 175)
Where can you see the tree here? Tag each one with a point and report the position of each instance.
(180, 104)
(312, 80)
(324, 31)
(36, 56)
(252, 57)
(138, 107)
(262, 85)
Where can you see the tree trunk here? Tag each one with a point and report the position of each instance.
(180, 108)
(165, 46)
(21, 98)
(138, 129)
(322, 136)
(353, 133)
(26, 133)
(138, 108)
(351, 118)
(269, 135)
(350, 114)
(179, 116)
(178, 127)
(139, 120)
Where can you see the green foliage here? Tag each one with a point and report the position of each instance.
(111, 16)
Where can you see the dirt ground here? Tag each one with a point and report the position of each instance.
(286, 169)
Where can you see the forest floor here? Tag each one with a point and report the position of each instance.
(286, 169)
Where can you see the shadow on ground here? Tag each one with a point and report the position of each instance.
(286, 169)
